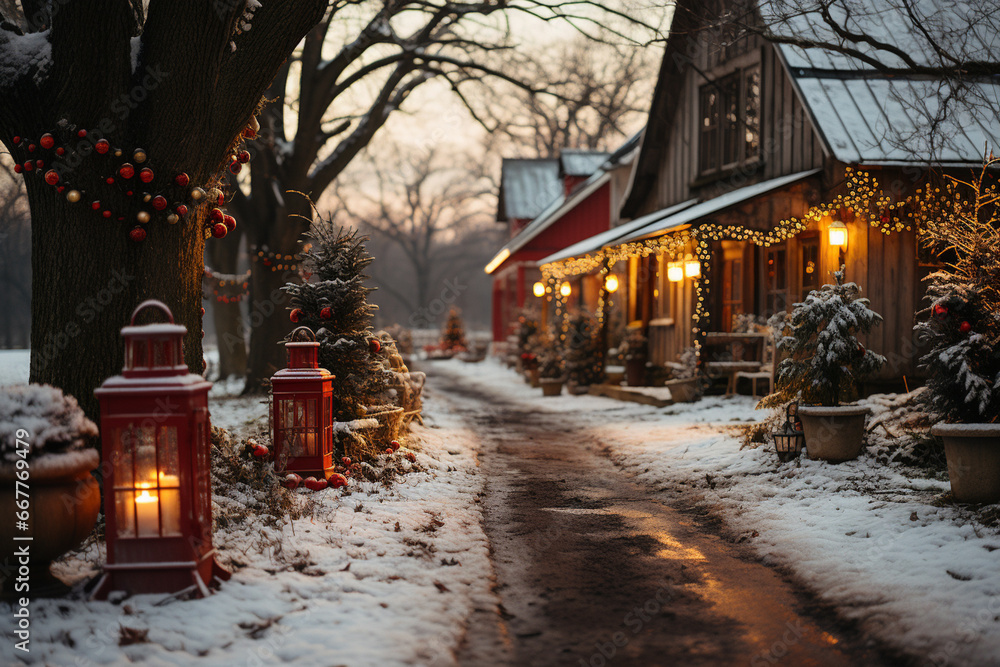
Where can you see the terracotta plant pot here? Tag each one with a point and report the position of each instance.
(551, 387)
(635, 372)
(973, 452)
(683, 391)
(833, 434)
(64, 500)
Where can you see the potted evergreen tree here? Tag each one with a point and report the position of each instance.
(45, 479)
(551, 372)
(962, 329)
(824, 366)
(584, 362)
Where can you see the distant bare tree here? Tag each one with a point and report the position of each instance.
(585, 94)
(432, 207)
(15, 260)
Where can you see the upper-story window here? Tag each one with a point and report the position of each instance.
(730, 121)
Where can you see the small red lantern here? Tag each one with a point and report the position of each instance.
(302, 416)
(158, 495)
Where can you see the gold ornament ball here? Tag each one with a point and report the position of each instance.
(173, 218)
(146, 197)
(197, 194)
(118, 152)
(214, 194)
(139, 155)
(73, 196)
(142, 217)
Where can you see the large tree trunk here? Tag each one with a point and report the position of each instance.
(90, 277)
(227, 317)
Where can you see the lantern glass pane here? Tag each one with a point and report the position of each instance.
(300, 413)
(311, 413)
(145, 458)
(125, 513)
(140, 354)
(170, 507)
(161, 356)
(286, 412)
(296, 446)
(122, 457)
(169, 473)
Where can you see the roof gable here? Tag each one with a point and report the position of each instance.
(527, 187)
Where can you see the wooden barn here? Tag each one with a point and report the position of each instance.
(762, 168)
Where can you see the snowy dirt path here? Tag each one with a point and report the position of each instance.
(591, 571)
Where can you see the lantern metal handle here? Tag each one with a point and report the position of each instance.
(152, 303)
(311, 333)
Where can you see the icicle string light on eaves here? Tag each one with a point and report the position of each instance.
(863, 199)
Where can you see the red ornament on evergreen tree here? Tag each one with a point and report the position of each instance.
(102, 146)
(965, 327)
(325, 314)
(374, 345)
(940, 310)
(295, 315)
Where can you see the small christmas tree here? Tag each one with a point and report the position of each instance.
(453, 333)
(962, 327)
(335, 306)
(584, 364)
(825, 358)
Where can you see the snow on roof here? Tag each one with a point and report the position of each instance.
(527, 186)
(609, 237)
(581, 162)
(867, 117)
(664, 223)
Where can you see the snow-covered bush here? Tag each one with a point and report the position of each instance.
(825, 358)
(55, 423)
(635, 347)
(962, 325)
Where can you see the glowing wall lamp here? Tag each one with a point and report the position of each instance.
(538, 289)
(565, 289)
(611, 283)
(692, 267)
(837, 234)
(675, 272)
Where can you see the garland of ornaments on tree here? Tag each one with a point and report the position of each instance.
(123, 184)
(226, 287)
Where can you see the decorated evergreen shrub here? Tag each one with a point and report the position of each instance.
(584, 365)
(335, 305)
(962, 325)
(826, 361)
(453, 333)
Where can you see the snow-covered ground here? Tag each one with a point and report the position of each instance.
(378, 576)
(875, 540)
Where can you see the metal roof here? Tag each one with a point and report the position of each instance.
(581, 162)
(527, 186)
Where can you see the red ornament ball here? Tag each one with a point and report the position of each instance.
(60, 151)
(325, 314)
(395, 445)
(345, 461)
(219, 230)
(216, 215)
(261, 452)
(18, 168)
(146, 175)
(295, 315)
(51, 177)
(102, 146)
(314, 484)
(388, 451)
(17, 140)
(181, 210)
(106, 213)
(29, 166)
(411, 457)
(337, 480)
(138, 234)
(182, 179)
(235, 167)
(203, 311)
(940, 310)
(126, 171)
(96, 205)
(230, 222)
(81, 133)
(39, 163)
(291, 481)
(965, 327)
(110, 180)
(243, 157)
(47, 141)
(249, 133)
(374, 345)
(159, 202)
(31, 148)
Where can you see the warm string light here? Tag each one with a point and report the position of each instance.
(277, 261)
(226, 287)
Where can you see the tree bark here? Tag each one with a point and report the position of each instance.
(223, 257)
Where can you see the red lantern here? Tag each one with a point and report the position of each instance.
(158, 495)
(302, 416)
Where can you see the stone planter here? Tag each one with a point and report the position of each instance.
(551, 387)
(683, 391)
(833, 434)
(635, 372)
(973, 452)
(64, 500)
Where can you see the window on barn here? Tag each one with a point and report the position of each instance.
(730, 121)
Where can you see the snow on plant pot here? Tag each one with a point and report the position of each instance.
(962, 331)
(43, 454)
(825, 363)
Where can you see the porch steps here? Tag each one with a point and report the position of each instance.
(658, 397)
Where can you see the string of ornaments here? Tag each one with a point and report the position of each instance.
(123, 183)
(226, 287)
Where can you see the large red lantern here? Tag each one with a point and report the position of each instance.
(302, 418)
(158, 486)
